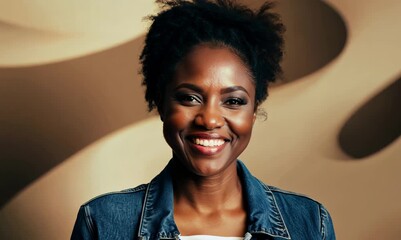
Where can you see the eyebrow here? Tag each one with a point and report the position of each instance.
(190, 86)
(223, 91)
(233, 89)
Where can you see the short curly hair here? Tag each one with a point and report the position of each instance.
(255, 36)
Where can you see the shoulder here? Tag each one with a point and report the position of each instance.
(285, 197)
(296, 208)
(126, 193)
(117, 204)
(295, 203)
(111, 214)
(287, 202)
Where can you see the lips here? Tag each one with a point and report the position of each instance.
(207, 144)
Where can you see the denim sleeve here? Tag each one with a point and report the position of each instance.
(327, 228)
(83, 228)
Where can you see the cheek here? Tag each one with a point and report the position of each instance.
(242, 124)
(175, 120)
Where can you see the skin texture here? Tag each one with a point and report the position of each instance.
(212, 96)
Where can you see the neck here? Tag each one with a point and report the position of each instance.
(208, 194)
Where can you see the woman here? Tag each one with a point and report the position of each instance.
(206, 67)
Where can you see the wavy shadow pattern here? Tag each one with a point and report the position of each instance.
(375, 125)
(316, 34)
(50, 112)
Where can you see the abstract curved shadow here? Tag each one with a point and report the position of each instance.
(52, 111)
(375, 125)
(49, 112)
(315, 35)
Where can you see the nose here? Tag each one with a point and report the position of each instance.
(209, 117)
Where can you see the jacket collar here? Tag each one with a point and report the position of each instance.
(157, 219)
(264, 216)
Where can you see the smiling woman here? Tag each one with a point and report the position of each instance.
(206, 67)
(208, 110)
(208, 113)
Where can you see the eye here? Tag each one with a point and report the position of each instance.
(188, 99)
(235, 102)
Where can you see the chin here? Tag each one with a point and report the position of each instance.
(209, 167)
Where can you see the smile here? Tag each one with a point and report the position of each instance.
(208, 142)
(207, 145)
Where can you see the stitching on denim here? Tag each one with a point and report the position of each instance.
(164, 235)
(126, 191)
(323, 217)
(278, 209)
(143, 210)
(135, 189)
(276, 189)
(89, 222)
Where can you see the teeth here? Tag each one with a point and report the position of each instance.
(208, 142)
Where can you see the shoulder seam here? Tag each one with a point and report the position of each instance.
(278, 190)
(125, 191)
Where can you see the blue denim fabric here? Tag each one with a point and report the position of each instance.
(146, 212)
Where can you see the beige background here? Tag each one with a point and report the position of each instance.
(73, 123)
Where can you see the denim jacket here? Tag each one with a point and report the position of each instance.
(147, 213)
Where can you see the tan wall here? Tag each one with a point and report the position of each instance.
(53, 104)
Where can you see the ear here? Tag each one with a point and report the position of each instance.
(255, 112)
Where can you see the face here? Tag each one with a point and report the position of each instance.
(209, 110)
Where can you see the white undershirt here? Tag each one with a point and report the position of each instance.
(209, 237)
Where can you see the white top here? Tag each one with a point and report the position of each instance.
(209, 237)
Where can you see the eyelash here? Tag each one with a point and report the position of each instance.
(235, 101)
(188, 99)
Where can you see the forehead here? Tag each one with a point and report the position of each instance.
(212, 66)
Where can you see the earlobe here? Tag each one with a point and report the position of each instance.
(254, 117)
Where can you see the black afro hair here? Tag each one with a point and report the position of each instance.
(255, 36)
